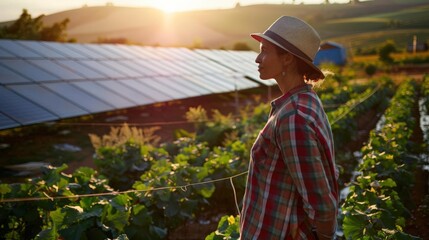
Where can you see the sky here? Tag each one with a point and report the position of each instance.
(12, 9)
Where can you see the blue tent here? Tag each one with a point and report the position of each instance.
(331, 52)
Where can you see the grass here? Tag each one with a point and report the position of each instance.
(395, 56)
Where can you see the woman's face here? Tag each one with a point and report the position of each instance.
(270, 63)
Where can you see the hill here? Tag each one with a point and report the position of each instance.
(355, 25)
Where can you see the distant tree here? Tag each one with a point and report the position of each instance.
(385, 50)
(326, 1)
(26, 27)
(370, 69)
(112, 40)
(241, 46)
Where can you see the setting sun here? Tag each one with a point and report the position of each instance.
(172, 6)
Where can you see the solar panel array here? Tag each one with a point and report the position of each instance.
(48, 81)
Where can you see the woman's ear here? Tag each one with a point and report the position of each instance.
(287, 59)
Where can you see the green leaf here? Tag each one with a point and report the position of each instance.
(172, 209)
(206, 190)
(5, 188)
(57, 216)
(140, 216)
(354, 226)
(47, 234)
(76, 231)
(388, 183)
(118, 217)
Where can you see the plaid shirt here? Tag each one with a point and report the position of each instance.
(292, 175)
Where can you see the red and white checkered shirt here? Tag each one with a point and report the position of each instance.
(292, 174)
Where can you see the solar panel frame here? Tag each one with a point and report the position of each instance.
(93, 78)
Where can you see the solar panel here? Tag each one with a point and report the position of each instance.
(49, 100)
(21, 109)
(17, 49)
(171, 91)
(122, 67)
(6, 122)
(127, 92)
(141, 86)
(203, 82)
(9, 76)
(56, 69)
(79, 97)
(117, 50)
(130, 51)
(46, 81)
(104, 94)
(102, 68)
(28, 70)
(101, 51)
(5, 54)
(41, 49)
(89, 53)
(65, 49)
(141, 69)
(80, 68)
(178, 84)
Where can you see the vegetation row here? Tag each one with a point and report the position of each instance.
(142, 189)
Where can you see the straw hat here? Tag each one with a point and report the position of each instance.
(295, 36)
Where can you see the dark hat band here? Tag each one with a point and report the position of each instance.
(287, 45)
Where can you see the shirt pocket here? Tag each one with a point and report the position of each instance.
(264, 150)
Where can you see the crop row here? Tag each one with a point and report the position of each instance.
(140, 189)
(374, 207)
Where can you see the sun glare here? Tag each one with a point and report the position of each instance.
(170, 6)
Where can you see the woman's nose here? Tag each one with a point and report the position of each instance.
(258, 60)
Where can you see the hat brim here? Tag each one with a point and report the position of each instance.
(259, 36)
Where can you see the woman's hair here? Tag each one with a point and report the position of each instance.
(310, 75)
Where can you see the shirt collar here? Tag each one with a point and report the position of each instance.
(287, 95)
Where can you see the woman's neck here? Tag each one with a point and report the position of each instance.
(289, 82)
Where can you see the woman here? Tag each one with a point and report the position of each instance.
(292, 190)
